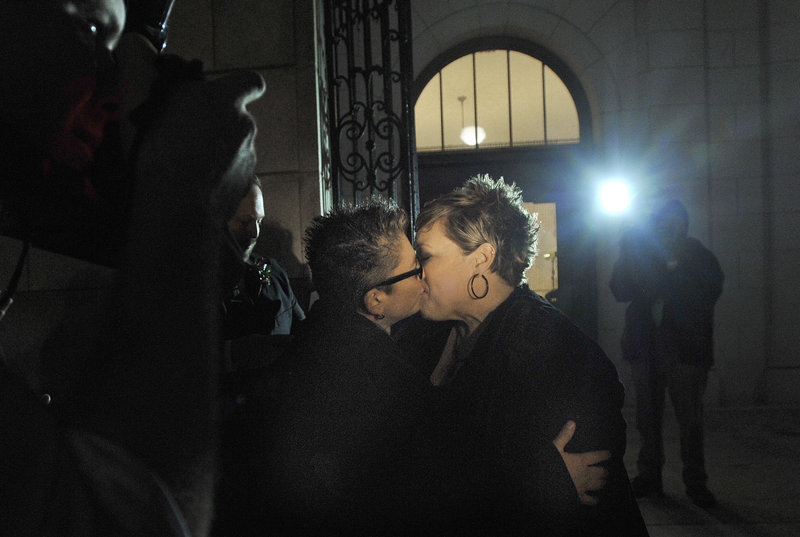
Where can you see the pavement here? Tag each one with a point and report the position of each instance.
(753, 463)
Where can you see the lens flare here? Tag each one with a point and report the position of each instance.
(614, 197)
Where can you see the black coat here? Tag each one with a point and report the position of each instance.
(338, 444)
(529, 371)
(689, 292)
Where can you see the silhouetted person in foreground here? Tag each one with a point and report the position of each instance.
(132, 453)
(672, 283)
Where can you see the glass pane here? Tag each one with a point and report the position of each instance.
(562, 116)
(428, 118)
(491, 74)
(530, 83)
(542, 276)
(527, 105)
(457, 83)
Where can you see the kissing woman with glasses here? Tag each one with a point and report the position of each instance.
(339, 447)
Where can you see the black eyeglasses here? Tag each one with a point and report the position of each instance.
(400, 277)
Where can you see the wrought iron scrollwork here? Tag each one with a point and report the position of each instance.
(368, 54)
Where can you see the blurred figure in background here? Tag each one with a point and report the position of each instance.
(672, 283)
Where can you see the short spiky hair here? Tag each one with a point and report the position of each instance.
(351, 248)
(485, 210)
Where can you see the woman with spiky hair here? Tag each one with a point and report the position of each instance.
(512, 370)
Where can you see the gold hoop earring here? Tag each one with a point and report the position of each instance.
(471, 289)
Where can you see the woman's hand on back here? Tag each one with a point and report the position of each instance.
(586, 476)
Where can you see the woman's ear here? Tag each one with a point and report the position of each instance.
(484, 257)
(373, 302)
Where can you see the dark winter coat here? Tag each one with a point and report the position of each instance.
(338, 438)
(685, 295)
(529, 372)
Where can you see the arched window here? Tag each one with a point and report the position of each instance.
(495, 98)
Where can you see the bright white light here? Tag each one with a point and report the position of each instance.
(468, 135)
(614, 197)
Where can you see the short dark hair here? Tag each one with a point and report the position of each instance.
(352, 247)
(485, 210)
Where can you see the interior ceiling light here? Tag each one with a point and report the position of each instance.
(470, 134)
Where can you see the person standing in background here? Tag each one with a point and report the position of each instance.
(672, 283)
(262, 304)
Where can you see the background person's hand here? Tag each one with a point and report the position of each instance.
(581, 466)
